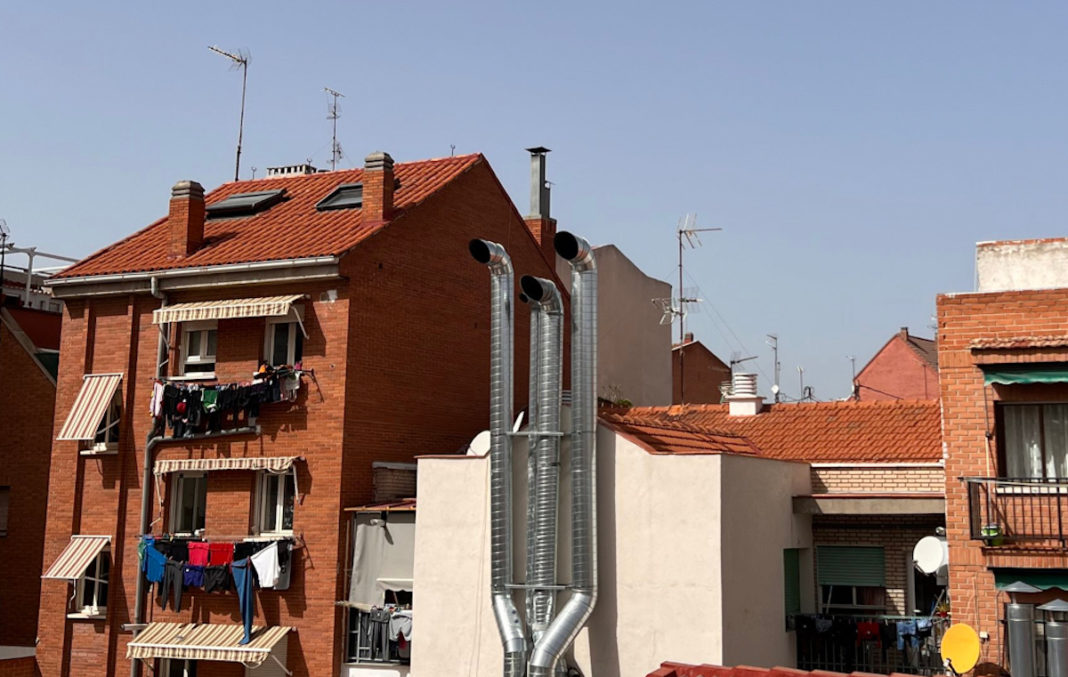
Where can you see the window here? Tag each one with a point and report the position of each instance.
(368, 638)
(243, 204)
(107, 433)
(188, 500)
(345, 196)
(284, 341)
(276, 501)
(1034, 440)
(198, 348)
(852, 578)
(92, 594)
(852, 599)
(175, 667)
(5, 495)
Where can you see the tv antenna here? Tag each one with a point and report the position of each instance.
(687, 231)
(335, 113)
(4, 232)
(853, 383)
(773, 341)
(240, 60)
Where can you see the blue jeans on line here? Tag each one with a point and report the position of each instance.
(242, 571)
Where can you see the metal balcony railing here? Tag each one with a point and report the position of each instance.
(840, 648)
(1011, 510)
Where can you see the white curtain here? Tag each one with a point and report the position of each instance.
(1023, 450)
(383, 557)
(1055, 422)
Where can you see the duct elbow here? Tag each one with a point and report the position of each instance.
(574, 249)
(543, 292)
(490, 254)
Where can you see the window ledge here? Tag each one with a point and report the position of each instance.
(80, 616)
(102, 449)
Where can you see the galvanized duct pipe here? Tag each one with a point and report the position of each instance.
(579, 606)
(1020, 622)
(544, 489)
(502, 284)
(1056, 649)
(532, 442)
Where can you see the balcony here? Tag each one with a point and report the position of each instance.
(1005, 511)
(844, 646)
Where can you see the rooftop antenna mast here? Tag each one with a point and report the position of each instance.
(687, 230)
(240, 60)
(773, 341)
(335, 113)
(4, 232)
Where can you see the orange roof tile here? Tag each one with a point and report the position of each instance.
(841, 432)
(291, 229)
(678, 438)
(1019, 342)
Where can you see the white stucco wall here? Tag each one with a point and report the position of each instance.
(758, 525)
(668, 575)
(633, 348)
(1022, 264)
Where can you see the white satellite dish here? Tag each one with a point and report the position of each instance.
(930, 554)
(480, 445)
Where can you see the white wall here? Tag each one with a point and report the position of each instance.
(1022, 264)
(758, 525)
(633, 348)
(690, 567)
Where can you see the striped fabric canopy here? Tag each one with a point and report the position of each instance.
(276, 464)
(205, 642)
(89, 407)
(226, 309)
(76, 557)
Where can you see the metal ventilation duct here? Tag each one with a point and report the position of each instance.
(502, 284)
(546, 359)
(576, 611)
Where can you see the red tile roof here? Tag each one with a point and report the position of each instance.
(291, 229)
(679, 438)
(926, 349)
(669, 669)
(839, 432)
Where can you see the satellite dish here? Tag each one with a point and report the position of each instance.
(775, 389)
(479, 446)
(930, 554)
(960, 648)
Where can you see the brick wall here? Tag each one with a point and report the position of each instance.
(890, 479)
(696, 374)
(393, 483)
(26, 400)
(966, 415)
(19, 667)
(897, 537)
(897, 373)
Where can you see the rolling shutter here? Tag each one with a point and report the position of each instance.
(851, 565)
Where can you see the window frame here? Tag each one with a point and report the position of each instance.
(295, 337)
(263, 508)
(110, 427)
(203, 357)
(95, 611)
(827, 590)
(177, 495)
(1001, 438)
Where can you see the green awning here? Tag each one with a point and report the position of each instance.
(1043, 579)
(1019, 374)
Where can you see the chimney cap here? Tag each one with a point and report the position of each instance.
(187, 189)
(538, 150)
(378, 161)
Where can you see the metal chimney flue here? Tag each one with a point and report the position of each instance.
(539, 186)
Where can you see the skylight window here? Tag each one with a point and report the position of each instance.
(345, 196)
(243, 204)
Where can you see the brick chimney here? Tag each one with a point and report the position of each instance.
(185, 221)
(377, 187)
(538, 220)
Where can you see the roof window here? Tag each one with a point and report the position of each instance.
(345, 196)
(243, 204)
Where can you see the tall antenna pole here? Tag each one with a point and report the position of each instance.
(686, 229)
(3, 250)
(853, 383)
(335, 148)
(239, 61)
(773, 341)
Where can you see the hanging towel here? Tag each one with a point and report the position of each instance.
(155, 564)
(266, 563)
(198, 554)
(220, 553)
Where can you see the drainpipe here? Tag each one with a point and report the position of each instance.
(146, 479)
(573, 616)
(502, 285)
(547, 320)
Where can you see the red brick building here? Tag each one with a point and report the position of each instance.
(1003, 371)
(696, 373)
(27, 401)
(905, 368)
(360, 281)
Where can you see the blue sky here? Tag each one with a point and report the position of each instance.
(853, 152)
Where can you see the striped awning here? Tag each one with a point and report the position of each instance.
(90, 406)
(277, 464)
(205, 642)
(77, 557)
(226, 309)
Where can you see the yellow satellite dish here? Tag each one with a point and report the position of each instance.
(960, 648)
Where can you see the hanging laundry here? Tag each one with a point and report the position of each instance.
(220, 553)
(266, 563)
(155, 564)
(193, 576)
(198, 554)
(171, 585)
(242, 572)
(217, 578)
